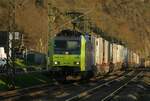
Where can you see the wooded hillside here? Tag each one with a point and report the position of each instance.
(127, 20)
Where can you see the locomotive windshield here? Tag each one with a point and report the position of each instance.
(67, 46)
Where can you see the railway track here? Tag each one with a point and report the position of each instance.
(106, 90)
(70, 90)
(112, 94)
(15, 94)
(37, 90)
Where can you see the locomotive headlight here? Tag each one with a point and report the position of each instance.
(77, 63)
(55, 62)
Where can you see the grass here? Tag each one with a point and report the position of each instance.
(31, 79)
(20, 63)
(3, 84)
(25, 80)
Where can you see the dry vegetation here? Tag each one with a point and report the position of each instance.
(127, 20)
(3, 14)
(30, 19)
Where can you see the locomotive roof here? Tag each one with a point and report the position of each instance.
(69, 33)
(74, 34)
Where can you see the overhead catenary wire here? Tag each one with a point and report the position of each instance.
(57, 28)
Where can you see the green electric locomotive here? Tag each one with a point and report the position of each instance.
(70, 52)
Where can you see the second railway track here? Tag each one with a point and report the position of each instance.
(105, 91)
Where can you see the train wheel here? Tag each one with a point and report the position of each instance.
(111, 67)
(87, 75)
(60, 77)
(95, 71)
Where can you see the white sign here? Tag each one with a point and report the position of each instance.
(2, 53)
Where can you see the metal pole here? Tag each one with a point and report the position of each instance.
(48, 37)
(13, 32)
(8, 41)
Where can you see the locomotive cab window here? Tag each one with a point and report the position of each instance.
(70, 46)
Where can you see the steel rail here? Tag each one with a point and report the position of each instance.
(85, 93)
(112, 94)
(18, 93)
(15, 94)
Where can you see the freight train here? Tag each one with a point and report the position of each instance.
(73, 52)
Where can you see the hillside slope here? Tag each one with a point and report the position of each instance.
(127, 20)
(30, 19)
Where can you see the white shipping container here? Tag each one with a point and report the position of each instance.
(138, 59)
(106, 51)
(111, 52)
(134, 57)
(147, 63)
(114, 53)
(98, 50)
(125, 52)
(97, 53)
(101, 50)
(118, 53)
(130, 56)
(122, 54)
